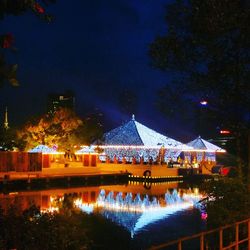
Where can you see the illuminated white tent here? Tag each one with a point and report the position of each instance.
(202, 144)
(204, 150)
(136, 134)
(42, 149)
(133, 139)
(86, 150)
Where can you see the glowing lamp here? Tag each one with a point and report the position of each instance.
(225, 132)
(204, 216)
(203, 103)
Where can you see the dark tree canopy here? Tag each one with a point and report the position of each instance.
(228, 201)
(206, 48)
(69, 228)
(63, 128)
(208, 45)
(7, 41)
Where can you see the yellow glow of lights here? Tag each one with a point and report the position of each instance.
(184, 149)
(155, 177)
(86, 153)
(141, 147)
(13, 193)
(130, 208)
(50, 210)
(53, 153)
(205, 150)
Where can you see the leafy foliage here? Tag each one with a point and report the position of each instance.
(228, 201)
(8, 139)
(19, 7)
(32, 229)
(63, 129)
(16, 7)
(92, 128)
(207, 44)
(207, 51)
(57, 129)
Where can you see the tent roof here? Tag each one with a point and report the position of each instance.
(134, 133)
(86, 149)
(42, 149)
(202, 144)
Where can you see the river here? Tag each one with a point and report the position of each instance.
(152, 213)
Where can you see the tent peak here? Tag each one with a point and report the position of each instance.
(133, 117)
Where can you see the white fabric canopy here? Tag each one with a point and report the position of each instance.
(202, 144)
(42, 149)
(136, 134)
(86, 149)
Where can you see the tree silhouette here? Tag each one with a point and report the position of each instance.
(207, 50)
(60, 128)
(16, 7)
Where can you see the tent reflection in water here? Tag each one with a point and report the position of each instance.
(134, 212)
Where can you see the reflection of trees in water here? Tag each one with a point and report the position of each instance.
(63, 230)
(68, 217)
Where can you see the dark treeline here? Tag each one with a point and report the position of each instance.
(67, 229)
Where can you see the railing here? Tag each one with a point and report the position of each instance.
(234, 236)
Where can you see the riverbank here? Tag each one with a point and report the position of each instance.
(75, 175)
(58, 177)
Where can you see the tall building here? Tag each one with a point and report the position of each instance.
(60, 100)
(225, 140)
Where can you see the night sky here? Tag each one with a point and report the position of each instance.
(94, 48)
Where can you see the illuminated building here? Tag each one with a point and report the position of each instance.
(55, 101)
(224, 138)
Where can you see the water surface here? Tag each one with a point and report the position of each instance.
(152, 213)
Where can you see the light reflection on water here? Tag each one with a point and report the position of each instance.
(138, 208)
(134, 211)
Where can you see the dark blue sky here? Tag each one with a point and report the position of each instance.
(95, 48)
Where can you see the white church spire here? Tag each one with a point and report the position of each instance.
(6, 124)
